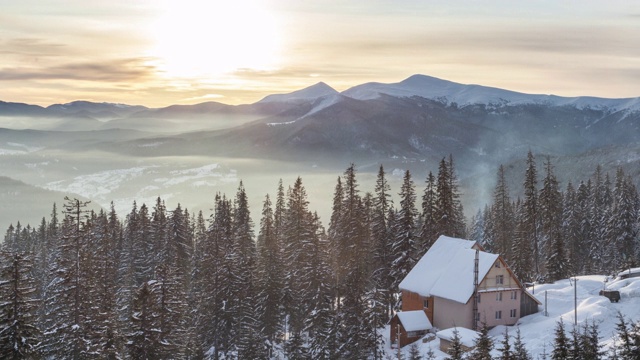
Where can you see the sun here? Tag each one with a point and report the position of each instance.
(200, 38)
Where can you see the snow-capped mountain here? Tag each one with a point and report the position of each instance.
(450, 92)
(307, 94)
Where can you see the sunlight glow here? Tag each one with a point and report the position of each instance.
(199, 38)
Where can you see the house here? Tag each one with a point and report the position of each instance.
(629, 273)
(410, 326)
(442, 285)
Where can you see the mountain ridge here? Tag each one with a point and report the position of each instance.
(424, 86)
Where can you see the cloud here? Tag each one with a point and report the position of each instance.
(33, 47)
(119, 70)
(203, 97)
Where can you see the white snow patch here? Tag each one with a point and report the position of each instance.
(96, 185)
(11, 152)
(467, 336)
(282, 123)
(212, 173)
(26, 147)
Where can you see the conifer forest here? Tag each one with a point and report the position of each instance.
(158, 283)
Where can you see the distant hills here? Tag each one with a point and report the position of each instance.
(419, 119)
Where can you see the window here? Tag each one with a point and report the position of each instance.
(498, 314)
(497, 264)
(499, 279)
(479, 298)
(417, 333)
(514, 295)
(425, 303)
(512, 313)
(478, 316)
(499, 296)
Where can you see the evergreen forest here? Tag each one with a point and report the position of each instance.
(160, 283)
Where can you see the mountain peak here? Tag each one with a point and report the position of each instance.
(315, 91)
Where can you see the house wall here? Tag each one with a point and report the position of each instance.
(450, 313)
(528, 305)
(489, 282)
(493, 301)
(412, 301)
(446, 344)
(404, 338)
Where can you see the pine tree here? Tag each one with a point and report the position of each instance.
(483, 346)
(571, 230)
(212, 282)
(270, 274)
(560, 343)
(574, 351)
(455, 351)
(502, 217)
(529, 223)
(622, 245)
(298, 236)
(144, 342)
(586, 232)
(629, 339)
(19, 335)
(414, 352)
(552, 242)
(355, 336)
(244, 275)
(429, 230)
(319, 324)
(404, 248)
(65, 316)
(519, 350)
(590, 342)
(505, 351)
(383, 241)
(104, 330)
(449, 215)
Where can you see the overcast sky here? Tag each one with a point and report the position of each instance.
(157, 53)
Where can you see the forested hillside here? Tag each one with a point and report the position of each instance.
(162, 283)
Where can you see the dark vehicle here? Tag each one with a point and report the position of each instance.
(612, 295)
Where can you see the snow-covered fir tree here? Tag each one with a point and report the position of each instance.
(19, 332)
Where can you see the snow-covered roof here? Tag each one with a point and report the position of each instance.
(467, 336)
(414, 320)
(629, 271)
(446, 270)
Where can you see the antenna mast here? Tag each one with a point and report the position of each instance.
(476, 270)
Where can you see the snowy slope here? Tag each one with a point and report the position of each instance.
(537, 330)
(450, 92)
(307, 94)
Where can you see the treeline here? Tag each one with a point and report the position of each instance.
(589, 228)
(168, 284)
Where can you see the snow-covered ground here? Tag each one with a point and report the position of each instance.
(537, 330)
(126, 185)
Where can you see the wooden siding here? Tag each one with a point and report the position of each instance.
(528, 305)
(412, 301)
(404, 338)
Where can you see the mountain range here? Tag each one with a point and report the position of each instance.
(410, 124)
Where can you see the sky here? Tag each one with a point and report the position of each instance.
(162, 52)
